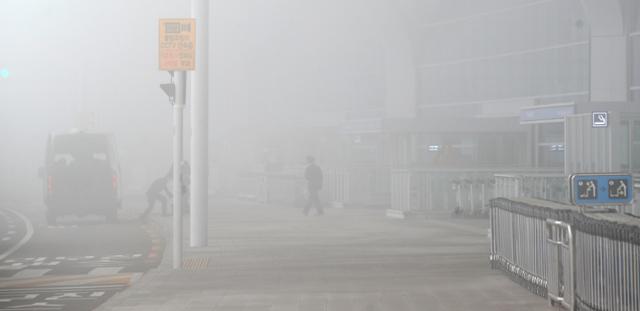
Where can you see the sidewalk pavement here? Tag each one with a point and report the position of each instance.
(266, 257)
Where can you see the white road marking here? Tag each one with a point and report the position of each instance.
(105, 270)
(30, 273)
(24, 297)
(27, 236)
(61, 258)
(7, 238)
(11, 232)
(36, 307)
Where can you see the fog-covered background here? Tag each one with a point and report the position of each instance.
(422, 74)
(93, 64)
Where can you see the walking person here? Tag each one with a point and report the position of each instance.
(313, 175)
(158, 192)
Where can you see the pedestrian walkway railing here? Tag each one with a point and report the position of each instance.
(281, 187)
(439, 189)
(337, 184)
(545, 186)
(466, 191)
(579, 260)
(355, 186)
(560, 269)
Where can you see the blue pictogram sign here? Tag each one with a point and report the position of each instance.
(601, 189)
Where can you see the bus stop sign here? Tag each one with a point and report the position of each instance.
(601, 189)
(177, 44)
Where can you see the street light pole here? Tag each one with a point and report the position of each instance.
(178, 110)
(200, 127)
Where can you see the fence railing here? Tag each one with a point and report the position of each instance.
(340, 186)
(551, 187)
(465, 191)
(269, 187)
(582, 261)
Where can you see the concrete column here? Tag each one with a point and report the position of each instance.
(200, 127)
(608, 49)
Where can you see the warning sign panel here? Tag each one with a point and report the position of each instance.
(177, 44)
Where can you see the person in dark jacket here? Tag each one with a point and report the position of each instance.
(158, 192)
(313, 175)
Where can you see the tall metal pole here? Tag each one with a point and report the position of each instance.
(178, 109)
(200, 127)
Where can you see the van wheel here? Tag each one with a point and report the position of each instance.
(52, 218)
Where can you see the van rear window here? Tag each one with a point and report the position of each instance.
(73, 147)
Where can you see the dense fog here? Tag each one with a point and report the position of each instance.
(93, 65)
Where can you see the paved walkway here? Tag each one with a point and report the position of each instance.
(274, 258)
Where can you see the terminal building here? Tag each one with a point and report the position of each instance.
(500, 87)
(486, 98)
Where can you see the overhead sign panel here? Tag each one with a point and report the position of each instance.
(177, 44)
(546, 113)
(601, 189)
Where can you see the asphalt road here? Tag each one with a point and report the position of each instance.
(76, 265)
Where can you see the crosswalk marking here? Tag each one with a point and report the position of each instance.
(30, 273)
(105, 270)
(9, 298)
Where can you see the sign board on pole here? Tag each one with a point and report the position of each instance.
(177, 44)
(601, 189)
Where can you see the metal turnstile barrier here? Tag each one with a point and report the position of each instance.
(560, 268)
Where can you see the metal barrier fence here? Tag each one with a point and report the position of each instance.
(551, 187)
(581, 261)
(560, 269)
(468, 191)
(421, 189)
(340, 187)
(269, 187)
(337, 184)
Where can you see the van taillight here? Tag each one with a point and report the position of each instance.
(114, 182)
(50, 184)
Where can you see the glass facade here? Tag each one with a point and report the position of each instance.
(632, 9)
(532, 49)
(510, 52)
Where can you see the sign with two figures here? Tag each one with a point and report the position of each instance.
(601, 189)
